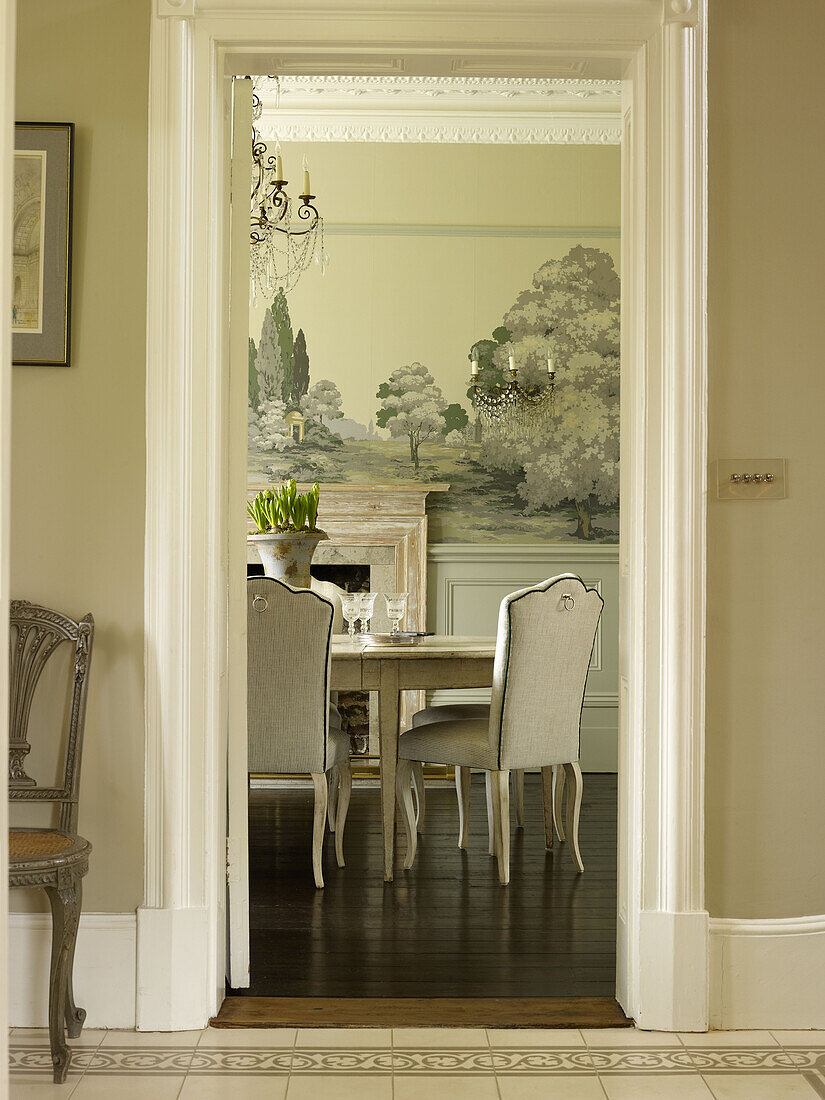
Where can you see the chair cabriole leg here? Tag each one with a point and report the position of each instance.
(501, 788)
(332, 797)
(547, 805)
(420, 793)
(65, 915)
(558, 792)
(520, 798)
(405, 802)
(574, 802)
(319, 781)
(342, 798)
(75, 1017)
(491, 816)
(462, 787)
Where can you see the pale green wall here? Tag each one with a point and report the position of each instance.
(78, 433)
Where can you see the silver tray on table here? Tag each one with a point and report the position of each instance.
(403, 637)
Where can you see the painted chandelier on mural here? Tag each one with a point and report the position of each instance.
(281, 248)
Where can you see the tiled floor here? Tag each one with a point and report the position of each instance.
(426, 1064)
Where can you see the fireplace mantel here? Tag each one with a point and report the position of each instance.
(392, 514)
(369, 515)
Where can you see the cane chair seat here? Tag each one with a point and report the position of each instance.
(33, 846)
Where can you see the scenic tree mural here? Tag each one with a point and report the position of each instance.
(323, 400)
(412, 405)
(571, 308)
(553, 478)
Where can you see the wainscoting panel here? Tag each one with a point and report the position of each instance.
(104, 973)
(465, 585)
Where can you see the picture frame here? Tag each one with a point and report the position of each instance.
(42, 243)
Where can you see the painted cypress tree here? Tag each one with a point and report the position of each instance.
(269, 362)
(300, 382)
(254, 385)
(286, 343)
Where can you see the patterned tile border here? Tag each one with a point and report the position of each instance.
(511, 1062)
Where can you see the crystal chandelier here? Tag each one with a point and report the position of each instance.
(281, 248)
(513, 408)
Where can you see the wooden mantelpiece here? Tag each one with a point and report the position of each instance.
(355, 514)
(392, 515)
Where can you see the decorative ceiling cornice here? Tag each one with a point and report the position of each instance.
(440, 109)
(425, 130)
(437, 86)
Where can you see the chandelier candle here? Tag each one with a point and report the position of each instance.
(305, 167)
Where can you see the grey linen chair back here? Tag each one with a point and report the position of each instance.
(36, 634)
(543, 652)
(288, 669)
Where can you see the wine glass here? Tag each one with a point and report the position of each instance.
(396, 608)
(351, 609)
(367, 605)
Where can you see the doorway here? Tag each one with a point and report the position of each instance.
(420, 281)
(661, 893)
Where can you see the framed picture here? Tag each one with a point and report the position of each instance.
(42, 243)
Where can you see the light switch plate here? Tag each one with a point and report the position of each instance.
(751, 478)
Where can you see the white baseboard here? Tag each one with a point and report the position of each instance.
(767, 973)
(104, 969)
(672, 993)
(172, 952)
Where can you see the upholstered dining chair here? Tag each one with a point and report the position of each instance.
(552, 781)
(543, 646)
(56, 858)
(293, 727)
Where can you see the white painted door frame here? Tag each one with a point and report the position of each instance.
(8, 46)
(191, 519)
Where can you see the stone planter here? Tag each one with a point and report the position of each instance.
(287, 555)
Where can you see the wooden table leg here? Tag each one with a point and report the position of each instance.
(388, 718)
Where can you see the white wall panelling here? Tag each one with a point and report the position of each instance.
(466, 584)
(104, 969)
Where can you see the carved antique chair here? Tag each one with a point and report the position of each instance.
(293, 726)
(545, 638)
(55, 859)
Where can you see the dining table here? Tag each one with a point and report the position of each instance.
(390, 668)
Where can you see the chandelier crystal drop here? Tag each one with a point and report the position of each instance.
(284, 239)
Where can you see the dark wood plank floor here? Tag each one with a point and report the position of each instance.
(444, 929)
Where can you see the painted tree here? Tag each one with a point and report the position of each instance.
(269, 360)
(274, 433)
(412, 405)
(254, 386)
(300, 380)
(574, 304)
(323, 400)
(455, 418)
(286, 343)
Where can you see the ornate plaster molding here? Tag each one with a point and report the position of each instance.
(438, 86)
(472, 110)
(468, 129)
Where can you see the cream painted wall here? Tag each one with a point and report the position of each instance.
(766, 588)
(78, 433)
